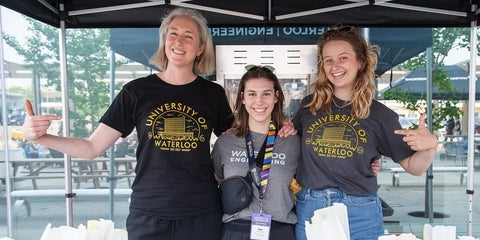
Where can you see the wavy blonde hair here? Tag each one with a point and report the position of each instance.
(205, 63)
(364, 87)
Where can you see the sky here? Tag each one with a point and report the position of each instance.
(13, 23)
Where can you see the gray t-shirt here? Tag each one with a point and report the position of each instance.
(230, 159)
(338, 149)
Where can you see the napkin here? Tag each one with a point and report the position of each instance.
(95, 230)
(330, 223)
(439, 232)
(403, 236)
(100, 229)
(63, 232)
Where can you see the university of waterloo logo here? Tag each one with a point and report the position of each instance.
(176, 127)
(336, 136)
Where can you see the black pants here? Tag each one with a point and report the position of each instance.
(202, 227)
(240, 230)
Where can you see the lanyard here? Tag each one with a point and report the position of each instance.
(261, 179)
(252, 161)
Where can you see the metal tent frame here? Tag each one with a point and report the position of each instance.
(145, 13)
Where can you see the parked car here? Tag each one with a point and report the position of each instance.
(16, 117)
(16, 134)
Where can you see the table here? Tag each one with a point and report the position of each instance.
(82, 169)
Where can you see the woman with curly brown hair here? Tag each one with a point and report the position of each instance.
(343, 129)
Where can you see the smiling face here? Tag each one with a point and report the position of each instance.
(259, 99)
(340, 65)
(183, 43)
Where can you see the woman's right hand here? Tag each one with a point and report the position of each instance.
(36, 126)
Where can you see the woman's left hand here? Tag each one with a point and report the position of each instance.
(376, 166)
(287, 129)
(420, 139)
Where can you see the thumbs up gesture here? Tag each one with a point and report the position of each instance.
(419, 139)
(29, 108)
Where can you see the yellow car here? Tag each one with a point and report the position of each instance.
(16, 134)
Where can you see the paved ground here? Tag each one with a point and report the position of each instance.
(449, 202)
(52, 209)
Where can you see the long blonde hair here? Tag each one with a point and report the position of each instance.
(205, 63)
(364, 87)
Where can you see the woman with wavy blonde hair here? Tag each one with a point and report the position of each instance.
(174, 113)
(343, 130)
(205, 62)
(364, 87)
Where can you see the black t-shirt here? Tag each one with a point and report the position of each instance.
(337, 148)
(450, 126)
(174, 173)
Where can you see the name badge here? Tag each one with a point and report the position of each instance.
(260, 229)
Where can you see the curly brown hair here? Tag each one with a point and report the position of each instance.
(364, 88)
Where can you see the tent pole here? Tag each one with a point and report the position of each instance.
(66, 118)
(366, 35)
(5, 153)
(471, 120)
(113, 179)
(429, 176)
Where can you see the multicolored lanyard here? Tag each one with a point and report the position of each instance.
(262, 181)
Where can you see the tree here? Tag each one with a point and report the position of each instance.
(444, 40)
(27, 92)
(88, 62)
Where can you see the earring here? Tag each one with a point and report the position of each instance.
(197, 58)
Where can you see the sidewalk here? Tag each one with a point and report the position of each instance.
(409, 199)
(53, 209)
(449, 200)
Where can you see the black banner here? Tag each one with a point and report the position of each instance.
(266, 35)
(396, 44)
